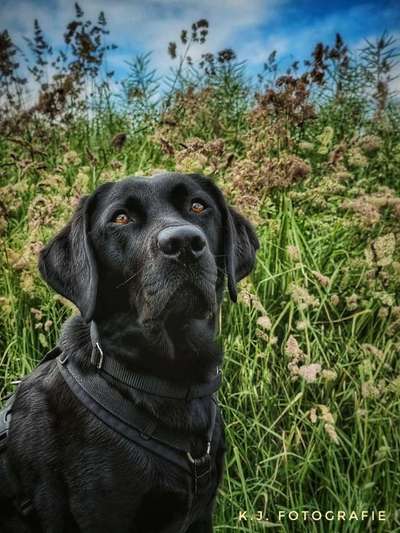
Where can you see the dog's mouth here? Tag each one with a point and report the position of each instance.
(192, 301)
(185, 301)
(168, 311)
(179, 298)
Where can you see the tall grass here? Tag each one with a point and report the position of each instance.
(312, 374)
(280, 457)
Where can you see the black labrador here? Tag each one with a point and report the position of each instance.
(118, 430)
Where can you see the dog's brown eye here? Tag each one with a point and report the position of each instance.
(197, 207)
(121, 219)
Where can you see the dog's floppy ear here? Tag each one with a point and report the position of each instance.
(240, 240)
(68, 263)
(240, 246)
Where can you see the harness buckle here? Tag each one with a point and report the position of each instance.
(63, 360)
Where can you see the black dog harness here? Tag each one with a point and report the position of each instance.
(124, 417)
(96, 393)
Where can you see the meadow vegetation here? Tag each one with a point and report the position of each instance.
(311, 394)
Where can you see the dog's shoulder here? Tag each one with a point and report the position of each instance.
(43, 400)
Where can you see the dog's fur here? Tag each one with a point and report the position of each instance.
(157, 315)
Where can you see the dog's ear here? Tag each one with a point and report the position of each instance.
(240, 246)
(240, 239)
(68, 262)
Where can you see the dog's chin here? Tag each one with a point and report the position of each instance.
(181, 303)
(189, 302)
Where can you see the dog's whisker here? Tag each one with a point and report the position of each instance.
(133, 276)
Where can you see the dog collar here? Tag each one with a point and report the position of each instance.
(149, 384)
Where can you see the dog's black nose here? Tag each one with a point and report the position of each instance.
(181, 242)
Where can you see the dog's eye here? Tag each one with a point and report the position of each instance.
(197, 207)
(121, 218)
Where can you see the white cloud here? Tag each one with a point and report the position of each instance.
(137, 25)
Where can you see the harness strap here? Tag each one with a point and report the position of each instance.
(5, 421)
(121, 415)
(24, 505)
(148, 384)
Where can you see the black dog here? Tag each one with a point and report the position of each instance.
(118, 431)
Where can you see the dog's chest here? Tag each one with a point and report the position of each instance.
(86, 474)
(141, 493)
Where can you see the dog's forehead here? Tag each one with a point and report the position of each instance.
(149, 188)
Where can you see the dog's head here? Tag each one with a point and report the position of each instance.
(160, 247)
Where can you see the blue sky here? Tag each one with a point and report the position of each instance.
(253, 28)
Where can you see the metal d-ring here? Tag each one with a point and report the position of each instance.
(193, 460)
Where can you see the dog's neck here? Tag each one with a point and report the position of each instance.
(126, 344)
(184, 352)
